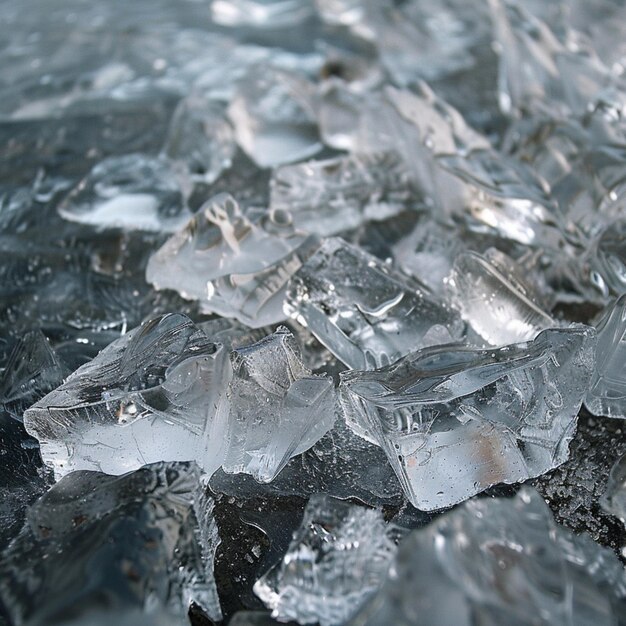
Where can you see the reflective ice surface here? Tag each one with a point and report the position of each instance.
(455, 420)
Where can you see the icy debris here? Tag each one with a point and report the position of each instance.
(260, 13)
(166, 392)
(278, 408)
(141, 541)
(235, 264)
(366, 314)
(613, 500)
(338, 558)
(607, 388)
(339, 194)
(607, 260)
(454, 420)
(273, 113)
(499, 561)
(133, 192)
(493, 303)
(200, 138)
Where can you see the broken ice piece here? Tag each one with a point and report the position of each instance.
(607, 389)
(278, 408)
(143, 541)
(499, 560)
(274, 118)
(454, 420)
(613, 501)
(133, 192)
(234, 264)
(260, 13)
(607, 258)
(200, 137)
(338, 558)
(327, 197)
(154, 394)
(366, 314)
(495, 305)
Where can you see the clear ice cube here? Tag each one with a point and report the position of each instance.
(337, 559)
(234, 264)
(144, 541)
(365, 313)
(455, 420)
(133, 192)
(499, 560)
(607, 388)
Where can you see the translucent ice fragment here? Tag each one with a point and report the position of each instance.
(454, 421)
(494, 303)
(366, 314)
(134, 192)
(337, 559)
(236, 265)
(499, 560)
(144, 541)
(260, 13)
(327, 197)
(607, 259)
(201, 138)
(607, 389)
(274, 117)
(155, 394)
(278, 408)
(613, 501)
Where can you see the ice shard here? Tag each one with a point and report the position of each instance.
(155, 394)
(167, 392)
(613, 499)
(143, 542)
(200, 138)
(607, 388)
(337, 559)
(133, 192)
(493, 303)
(607, 260)
(339, 194)
(366, 314)
(237, 265)
(278, 408)
(499, 561)
(274, 117)
(454, 420)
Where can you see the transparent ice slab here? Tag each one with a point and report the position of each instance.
(607, 260)
(133, 192)
(167, 392)
(365, 313)
(234, 264)
(274, 118)
(607, 388)
(613, 499)
(493, 303)
(454, 420)
(338, 194)
(144, 541)
(499, 560)
(336, 560)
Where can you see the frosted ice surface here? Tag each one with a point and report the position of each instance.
(454, 420)
(144, 541)
(613, 500)
(200, 138)
(134, 192)
(234, 264)
(260, 13)
(338, 194)
(278, 408)
(337, 558)
(166, 392)
(274, 117)
(366, 314)
(607, 388)
(493, 303)
(154, 394)
(499, 561)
